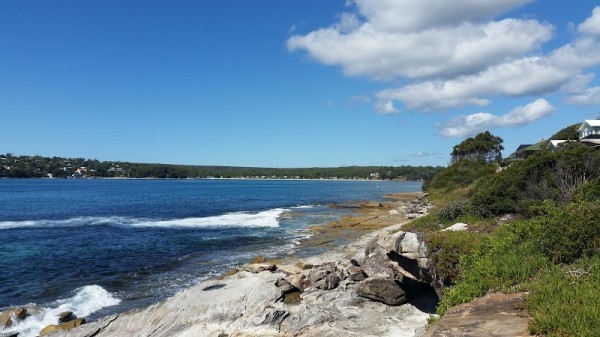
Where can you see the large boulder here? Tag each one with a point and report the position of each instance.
(377, 264)
(381, 290)
(409, 252)
(11, 316)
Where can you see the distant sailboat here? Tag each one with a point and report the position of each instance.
(377, 186)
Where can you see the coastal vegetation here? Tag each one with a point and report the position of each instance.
(533, 227)
(12, 166)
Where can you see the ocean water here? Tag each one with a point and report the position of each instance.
(97, 247)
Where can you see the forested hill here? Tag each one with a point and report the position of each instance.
(41, 167)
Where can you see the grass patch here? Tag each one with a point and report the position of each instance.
(500, 261)
(565, 301)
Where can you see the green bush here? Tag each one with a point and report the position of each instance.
(589, 191)
(454, 209)
(445, 250)
(459, 175)
(569, 232)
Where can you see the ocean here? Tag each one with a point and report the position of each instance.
(98, 247)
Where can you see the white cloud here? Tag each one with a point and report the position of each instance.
(592, 24)
(471, 124)
(410, 15)
(386, 108)
(589, 96)
(450, 54)
(436, 52)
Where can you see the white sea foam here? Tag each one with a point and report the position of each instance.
(303, 207)
(86, 301)
(269, 218)
(72, 222)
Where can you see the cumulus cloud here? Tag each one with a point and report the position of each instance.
(451, 54)
(468, 125)
(410, 15)
(592, 24)
(437, 52)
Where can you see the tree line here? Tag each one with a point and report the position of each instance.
(12, 166)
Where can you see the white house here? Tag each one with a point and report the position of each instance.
(589, 128)
(553, 144)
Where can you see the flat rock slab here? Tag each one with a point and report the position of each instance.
(496, 315)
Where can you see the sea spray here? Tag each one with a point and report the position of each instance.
(86, 301)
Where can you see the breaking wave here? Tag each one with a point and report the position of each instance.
(269, 218)
(86, 301)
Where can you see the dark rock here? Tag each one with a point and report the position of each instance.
(381, 290)
(65, 316)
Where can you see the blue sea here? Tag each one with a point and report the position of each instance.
(102, 246)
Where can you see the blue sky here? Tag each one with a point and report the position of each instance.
(291, 83)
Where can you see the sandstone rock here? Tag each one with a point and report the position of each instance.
(377, 264)
(11, 316)
(356, 274)
(303, 265)
(325, 276)
(409, 243)
(331, 281)
(289, 269)
(391, 242)
(299, 281)
(62, 326)
(498, 315)
(358, 259)
(285, 286)
(457, 227)
(412, 215)
(394, 212)
(256, 268)
(381, 290)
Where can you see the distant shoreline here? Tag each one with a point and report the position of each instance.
(251, 179)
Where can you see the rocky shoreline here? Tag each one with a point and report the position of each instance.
(377, 284)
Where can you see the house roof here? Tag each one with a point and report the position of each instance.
(522, 146)
(554, 143)
(590, 122)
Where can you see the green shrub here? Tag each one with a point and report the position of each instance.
(589, 191)
(565, 301)
(445, 250)
(569, 232)
(454, 209)
(459, 175)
